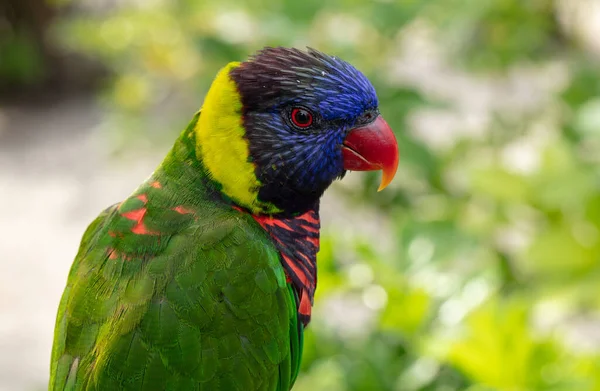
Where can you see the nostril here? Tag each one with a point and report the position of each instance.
(367, 117)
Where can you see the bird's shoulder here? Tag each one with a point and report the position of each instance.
(191, 298)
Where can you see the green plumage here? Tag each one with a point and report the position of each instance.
(204, 278)
(174, 289)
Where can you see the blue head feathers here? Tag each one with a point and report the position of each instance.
(297, 109)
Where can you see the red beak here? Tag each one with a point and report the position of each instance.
(372, 147)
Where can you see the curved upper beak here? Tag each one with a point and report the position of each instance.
(372, 147)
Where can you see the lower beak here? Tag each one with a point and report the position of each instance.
(372, 147)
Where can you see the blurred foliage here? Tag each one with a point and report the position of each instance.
(21, 62)
(23, 48)
(489, 279)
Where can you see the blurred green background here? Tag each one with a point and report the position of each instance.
(477, 269)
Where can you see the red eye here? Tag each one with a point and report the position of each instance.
(302, 118)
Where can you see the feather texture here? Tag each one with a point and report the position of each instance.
(176, 293)
(204, 278)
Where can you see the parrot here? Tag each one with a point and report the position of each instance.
(204, 277)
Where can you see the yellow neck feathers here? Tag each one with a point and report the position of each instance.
(222, 146)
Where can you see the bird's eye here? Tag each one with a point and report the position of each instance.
(301, 117)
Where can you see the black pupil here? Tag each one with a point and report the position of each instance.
(302, 117)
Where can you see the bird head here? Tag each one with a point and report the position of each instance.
(276, 130)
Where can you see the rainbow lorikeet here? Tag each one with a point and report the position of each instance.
(203, 279)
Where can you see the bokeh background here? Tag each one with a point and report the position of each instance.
(478, 269)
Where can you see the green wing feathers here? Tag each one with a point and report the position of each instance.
(62, 363)
(201, 304)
